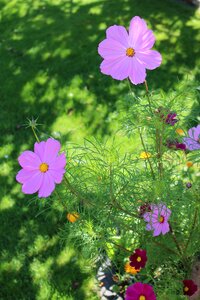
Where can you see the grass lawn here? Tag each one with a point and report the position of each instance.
(50, 69)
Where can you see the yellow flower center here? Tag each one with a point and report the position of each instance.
(186, 289)
(130, 52)
(161, 219)
(44, 167)
(180, 131)
(139, 259)
(142, 298)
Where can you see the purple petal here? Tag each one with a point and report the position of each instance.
(110, 49)
(52, 148)
(29, 160)
(58, 163)
(119, 34)
(33, 184)
(118, 68)
(149, 227)
(57, 175)
(194, 133)
(157, 229)
(165, 228)
(151, 59)
(140, 37)
(24, 175)
(191, 144)
(39, 149)
(47, 186)
(138, 72)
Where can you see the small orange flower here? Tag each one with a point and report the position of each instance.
(145, 155)
(73, 217)
(180, 131)
(130, 270)
(189, 164)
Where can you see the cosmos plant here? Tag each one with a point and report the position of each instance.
(140, 201)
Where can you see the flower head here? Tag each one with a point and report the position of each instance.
(188, 185)
(157, 219)
(138, 259)
(189, 164)
(189, 287)
(193, 141)
(140, 291)
(128, 54)
(167, 116)
(144, 208)
(176, 145)
(145, 155)
(41, 169)
(180, 131)
(131, 270)
(73, 217)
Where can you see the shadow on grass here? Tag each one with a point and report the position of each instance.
(50, 69)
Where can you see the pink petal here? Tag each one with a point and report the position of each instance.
(118, 68)
(140, 37)
(39, 149)
(33, 184)
(149, 227)
(150, 59)
(24, 175)
(52, 148)
(29, 160)
(57, 175)
(47, 186)
(119, 34)
(157, 229)
(58, 163)
(138, 73)
(110, 49)
(165, 228)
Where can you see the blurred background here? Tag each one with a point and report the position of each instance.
(49, 69)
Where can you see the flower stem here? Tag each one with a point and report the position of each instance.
(148, 98)
(192, 229)
(175, 240)
(35, 134)
(143, 144)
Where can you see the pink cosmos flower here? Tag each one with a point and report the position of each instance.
(158, 219)
(41, 169)
(128, 54)
(140, 291)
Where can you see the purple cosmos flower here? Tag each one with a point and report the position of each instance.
(188, 185)
(193, 141)
(158, 219)
(41, 169)
(129, 55)
(140, 291)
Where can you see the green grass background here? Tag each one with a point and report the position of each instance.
(49, 68)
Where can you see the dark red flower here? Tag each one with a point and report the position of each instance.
(189, 287)
(167, 116)
(138, 259)
(144, 208)
(170, 119)
(176, 145)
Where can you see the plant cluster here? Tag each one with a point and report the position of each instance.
(142, 207)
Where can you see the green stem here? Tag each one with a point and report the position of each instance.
(148, 98)
(35, 134)
(192, 229)
(175, 240)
